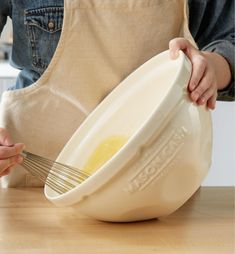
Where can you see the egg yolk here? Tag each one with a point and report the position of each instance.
(103, 152)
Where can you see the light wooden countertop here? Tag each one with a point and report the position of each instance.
(30, 224)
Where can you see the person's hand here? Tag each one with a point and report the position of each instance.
(9, 153)
(206, 76)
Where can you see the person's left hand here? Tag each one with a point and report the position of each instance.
(203, 83)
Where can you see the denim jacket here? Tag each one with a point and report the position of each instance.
(37, 26)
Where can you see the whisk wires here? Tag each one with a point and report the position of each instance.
(58, 176)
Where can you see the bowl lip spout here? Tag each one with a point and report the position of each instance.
(174, 96)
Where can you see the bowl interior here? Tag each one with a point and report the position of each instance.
(121, 116)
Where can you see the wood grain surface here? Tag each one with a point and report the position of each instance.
(30, 224)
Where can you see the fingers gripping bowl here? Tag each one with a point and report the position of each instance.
(166, 153)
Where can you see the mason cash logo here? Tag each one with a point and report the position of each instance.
(153, 168)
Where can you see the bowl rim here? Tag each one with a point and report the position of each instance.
(114, 165)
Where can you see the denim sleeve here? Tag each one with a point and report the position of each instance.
(226, 49)
(4, 12)
(212, 26)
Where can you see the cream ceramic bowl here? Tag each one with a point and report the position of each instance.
(167, 155)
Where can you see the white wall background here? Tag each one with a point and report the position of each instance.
(6, 35)
(222, 172)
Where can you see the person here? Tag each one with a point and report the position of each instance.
(211, 24)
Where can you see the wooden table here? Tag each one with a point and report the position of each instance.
(29, 224)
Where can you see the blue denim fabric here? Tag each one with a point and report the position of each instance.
(212, 24)
(36, 31)
(37, 26)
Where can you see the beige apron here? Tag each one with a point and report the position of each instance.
(102, 41)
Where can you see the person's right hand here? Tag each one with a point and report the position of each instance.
(9, 153)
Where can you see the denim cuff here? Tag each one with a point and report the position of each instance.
(227, 50)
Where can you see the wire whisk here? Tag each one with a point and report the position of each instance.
(58, 176)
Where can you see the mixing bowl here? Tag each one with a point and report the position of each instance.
(166, 155)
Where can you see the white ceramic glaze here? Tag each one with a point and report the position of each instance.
(166, 157)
